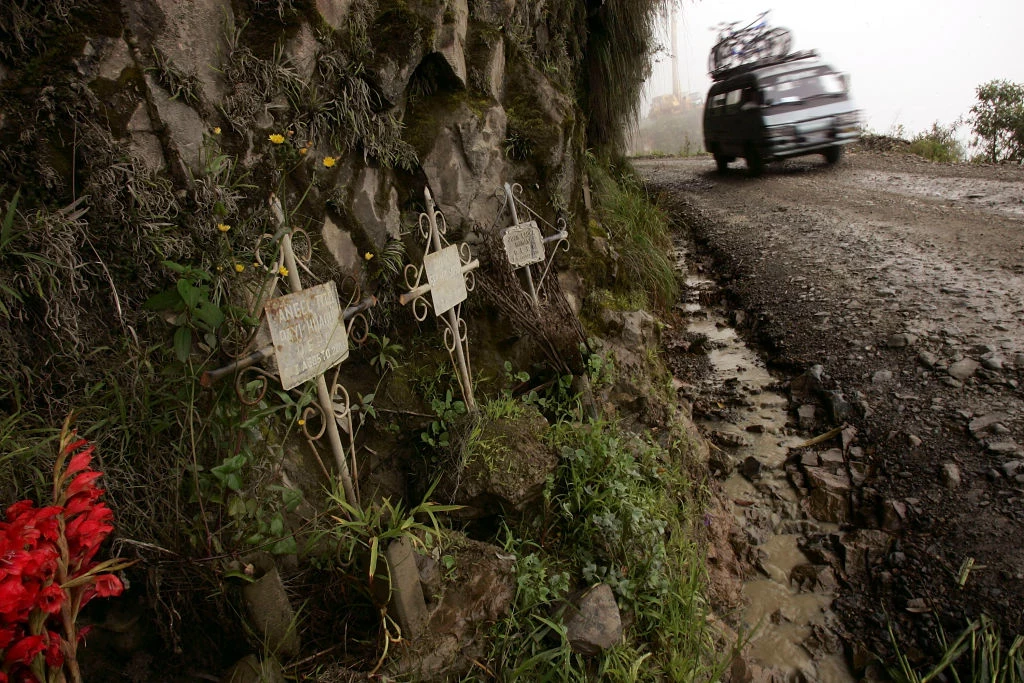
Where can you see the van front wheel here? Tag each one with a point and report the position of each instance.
(833, 155)
(722, 162)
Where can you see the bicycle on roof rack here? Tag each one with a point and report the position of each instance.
(756, 42)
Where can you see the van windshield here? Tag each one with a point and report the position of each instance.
(794, 90)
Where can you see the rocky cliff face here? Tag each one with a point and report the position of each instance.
(451, 93)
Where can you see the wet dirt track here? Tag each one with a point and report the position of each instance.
(904, 281)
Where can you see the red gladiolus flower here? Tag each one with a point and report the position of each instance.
(25, 650)
(37, 545)
(51, 598)
(81, 502)
(83, 482)
(54, 655)
(108, 585)
(17, 509)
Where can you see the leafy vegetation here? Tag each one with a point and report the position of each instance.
(997, 119)
(977, 655)
(122, 287)
(617, 510)
(939, 143)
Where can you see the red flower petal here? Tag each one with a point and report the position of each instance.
(54, 653)
(25, 650)
(108, 585)
(72, 447)
(82, 482)
(80, 461)
(19, 508)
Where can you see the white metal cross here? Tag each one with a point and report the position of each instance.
(448, 271)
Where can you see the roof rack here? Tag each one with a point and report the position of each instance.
(723, 74)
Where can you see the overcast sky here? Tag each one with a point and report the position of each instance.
(911, 61)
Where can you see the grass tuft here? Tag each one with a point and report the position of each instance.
(638, 231)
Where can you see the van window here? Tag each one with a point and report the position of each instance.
(733, 98)
(795, 90)
(717, 102)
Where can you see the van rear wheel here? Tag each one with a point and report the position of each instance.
(722, 162)
(833, 155)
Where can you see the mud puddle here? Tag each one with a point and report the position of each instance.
(745, 420)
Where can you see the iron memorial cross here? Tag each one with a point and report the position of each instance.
(448, 270)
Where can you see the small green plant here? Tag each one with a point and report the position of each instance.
(190, 301)
(977, 655)
(370, 529)
(600, 368)
(557, 401)
(387, 353)
(437, 435)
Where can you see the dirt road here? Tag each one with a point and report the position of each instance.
(904, 281)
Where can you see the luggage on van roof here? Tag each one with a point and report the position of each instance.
(725, 74)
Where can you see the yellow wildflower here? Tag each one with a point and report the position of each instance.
(216, 130)
(283, 271)
(329, 161)
(223, 227)
(368, 255)
(303, 150)
(301, 422)
(239, 267)
(276, 138)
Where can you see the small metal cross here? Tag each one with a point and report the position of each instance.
(448, 270)
(524, 243)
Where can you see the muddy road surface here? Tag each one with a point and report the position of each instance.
(886, 295)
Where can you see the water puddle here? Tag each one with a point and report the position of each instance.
(747, 421)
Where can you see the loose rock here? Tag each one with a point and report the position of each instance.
(950, 475)
(593, 623)
(964, 369)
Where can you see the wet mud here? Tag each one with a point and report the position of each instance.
(745, 417)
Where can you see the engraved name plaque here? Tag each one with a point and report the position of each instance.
(524, 244)
(309, 333)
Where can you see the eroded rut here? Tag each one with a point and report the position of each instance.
(887, 299)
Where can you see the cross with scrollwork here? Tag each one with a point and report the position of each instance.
(448, 271)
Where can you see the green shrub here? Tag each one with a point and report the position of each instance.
(938, 144)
